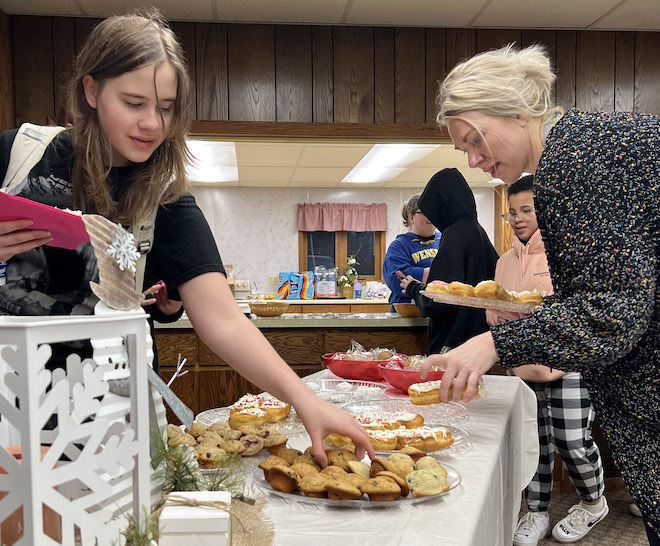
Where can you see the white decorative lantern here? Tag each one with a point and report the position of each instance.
(97, 469)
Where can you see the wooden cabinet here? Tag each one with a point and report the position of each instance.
(211, 383)
(339, 307)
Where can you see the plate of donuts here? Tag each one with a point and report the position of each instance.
(451, 413)
(479, 303)
(293, 474)
(255, 410)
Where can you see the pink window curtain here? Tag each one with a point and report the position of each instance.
(342, 217)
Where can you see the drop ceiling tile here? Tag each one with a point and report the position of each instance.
(402, 184)
(444, 156)
(474, 175)
(41, 7)
(363, 185)
(332, 155)
(198, 10)
(261, 184)
(632, 15)
(320, 174)
(200, 184)
(273, 154)
(417, 175)
(267, 175)
(548, 14)
(291, 11)
(308, 183)
(423, 13)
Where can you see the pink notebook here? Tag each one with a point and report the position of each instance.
(66, 229)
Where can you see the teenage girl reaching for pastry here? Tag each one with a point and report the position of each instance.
(129, 101)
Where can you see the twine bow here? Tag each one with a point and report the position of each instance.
(249, 526)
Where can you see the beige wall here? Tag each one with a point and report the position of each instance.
(255, 228)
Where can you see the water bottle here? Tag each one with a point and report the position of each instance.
(3, 273)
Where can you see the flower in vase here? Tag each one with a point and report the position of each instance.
(349, 273)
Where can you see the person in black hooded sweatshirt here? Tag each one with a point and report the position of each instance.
(465, 254)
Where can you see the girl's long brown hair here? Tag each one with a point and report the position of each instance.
(116, 46)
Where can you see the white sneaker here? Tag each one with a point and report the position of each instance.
(578, 523)
(532, 527)
(634, 510)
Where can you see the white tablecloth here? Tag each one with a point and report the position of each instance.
(482, 510)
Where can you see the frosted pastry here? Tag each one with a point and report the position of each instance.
(428, 392)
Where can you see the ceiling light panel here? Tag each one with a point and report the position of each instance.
(387, 161)
(213, 161)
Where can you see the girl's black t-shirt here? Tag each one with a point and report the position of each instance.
(50, 280)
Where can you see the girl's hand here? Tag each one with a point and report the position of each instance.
(15, 237)
(158, 294)
(463, 366)
(322, 418)
(404, 280)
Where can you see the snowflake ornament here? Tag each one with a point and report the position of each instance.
(122, 249)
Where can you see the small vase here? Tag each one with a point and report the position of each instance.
(347, 291)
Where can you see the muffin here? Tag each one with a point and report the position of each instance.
(381, 488)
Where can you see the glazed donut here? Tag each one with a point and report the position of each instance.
(439, 287)
(244, 402)
(369, 421)
(529, 297)
(422, 394)
(409, 420)
(249, 416)
(457, 288)
(424, 438)
(382, 439)
(339, 440)
(275, 409)
(490, 290)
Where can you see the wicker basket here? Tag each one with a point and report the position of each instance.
(269, 308)
(407, 310)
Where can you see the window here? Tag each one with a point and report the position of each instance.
(332, 248)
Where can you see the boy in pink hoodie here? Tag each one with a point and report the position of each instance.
(565, 414)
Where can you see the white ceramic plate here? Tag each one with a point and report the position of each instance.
(445, 414)
(340, 391)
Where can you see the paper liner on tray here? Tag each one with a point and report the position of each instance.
(116, 287)
(479, 303)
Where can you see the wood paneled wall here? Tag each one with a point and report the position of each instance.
(6, 83)
(334, 74)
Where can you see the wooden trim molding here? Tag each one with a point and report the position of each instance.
(280, 130)
(503, 234)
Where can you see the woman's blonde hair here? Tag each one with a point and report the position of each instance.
(118, 45)
(506, 82)
(408, 208)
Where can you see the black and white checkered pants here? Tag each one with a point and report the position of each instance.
(565, 417)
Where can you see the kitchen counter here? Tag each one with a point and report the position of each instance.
(301, 339)
(321, 320)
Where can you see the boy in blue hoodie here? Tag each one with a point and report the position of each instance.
(411, 252)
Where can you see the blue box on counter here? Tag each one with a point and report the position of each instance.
(295, 285)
